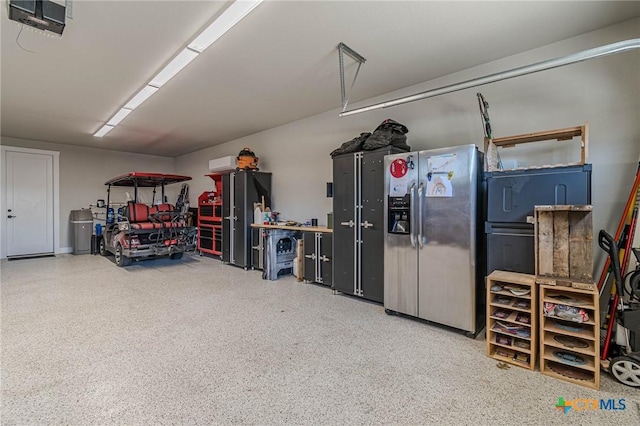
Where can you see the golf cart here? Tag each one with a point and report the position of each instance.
(143, 231)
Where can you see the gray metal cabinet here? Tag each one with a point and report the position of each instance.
(241, 189)
(358, 223)
(257, 249)
(318, 248)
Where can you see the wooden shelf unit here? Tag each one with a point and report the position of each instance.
(553, 328)
(505, 344)
(210, 218)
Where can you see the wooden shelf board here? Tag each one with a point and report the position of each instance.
(558, 288)
(589, 322)
(513, 278)
(509, 334)
(511, 361)
(590, 365)
(588, 305)
(510, 307)
(495, 343)
(508, 293)
(586, 334)
(588, 383)
(512, 319)
(548, 340)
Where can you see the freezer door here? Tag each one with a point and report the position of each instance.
(344, 221)
(447, 201)
(400, 250)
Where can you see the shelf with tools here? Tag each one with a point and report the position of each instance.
(511, 318)
(570, 334)
(210, 218)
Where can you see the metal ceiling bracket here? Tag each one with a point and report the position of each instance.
(342, 49)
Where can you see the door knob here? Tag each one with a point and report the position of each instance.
(11, 216)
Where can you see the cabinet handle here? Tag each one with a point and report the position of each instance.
(310, 256)
(366, 224)
(350, 224)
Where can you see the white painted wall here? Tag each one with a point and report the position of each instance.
(83, 172)
(605, 92)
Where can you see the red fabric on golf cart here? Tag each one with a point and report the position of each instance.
(140, 217)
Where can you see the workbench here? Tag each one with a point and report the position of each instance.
(276, 247)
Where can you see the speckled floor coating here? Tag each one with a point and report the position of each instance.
(198, 342)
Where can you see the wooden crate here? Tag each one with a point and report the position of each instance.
(569, 350)
(506, 308)
(564, 245)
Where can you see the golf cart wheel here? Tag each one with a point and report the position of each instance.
(176, 256)
(626, 370)
(121, 259)
(103, 248)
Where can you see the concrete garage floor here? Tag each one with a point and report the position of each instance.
(194, 341)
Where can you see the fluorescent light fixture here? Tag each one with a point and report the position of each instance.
(173, 67)
(140, 97)
(234, 13)
(231, 16)
(120, 115)
(103, 131)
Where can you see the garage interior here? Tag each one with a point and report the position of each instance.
(205, 338)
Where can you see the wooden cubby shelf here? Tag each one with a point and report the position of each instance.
(512, 298)
(570, 349)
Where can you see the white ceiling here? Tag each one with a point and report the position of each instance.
(278, 65)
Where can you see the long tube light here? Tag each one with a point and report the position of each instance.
(234, 14)
(597, 52)
(140, 97)
(174, 67)
(230, 17)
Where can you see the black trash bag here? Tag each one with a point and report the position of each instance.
(389, 132)
(354, 145)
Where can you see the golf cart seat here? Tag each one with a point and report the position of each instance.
(143, 217)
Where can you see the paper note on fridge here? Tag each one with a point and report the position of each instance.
(439, 173)
(398, 186)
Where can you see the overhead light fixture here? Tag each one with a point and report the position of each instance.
(234, 14)
(140, 97)
(230, 17)
(174, 67)
(120, 115)
(103, 131)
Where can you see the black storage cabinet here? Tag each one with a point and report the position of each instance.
(318, 248)
(512, 196)
(240, 190)
(358, 228)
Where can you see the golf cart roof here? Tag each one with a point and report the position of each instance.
(149, 180)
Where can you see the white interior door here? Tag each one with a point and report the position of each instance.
(29, 203)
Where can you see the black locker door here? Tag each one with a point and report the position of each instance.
(372, 227)
(343, 223)
(226, 212)
(309, 244)
(326, 253)
(241, 237)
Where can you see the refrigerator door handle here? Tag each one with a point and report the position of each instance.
(420, 242)
(412, 214)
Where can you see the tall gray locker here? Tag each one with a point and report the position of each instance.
(358, 223)
(240, 190)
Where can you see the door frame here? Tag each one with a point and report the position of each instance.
(56, 194)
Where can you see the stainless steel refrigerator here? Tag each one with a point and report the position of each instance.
(433, 244)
